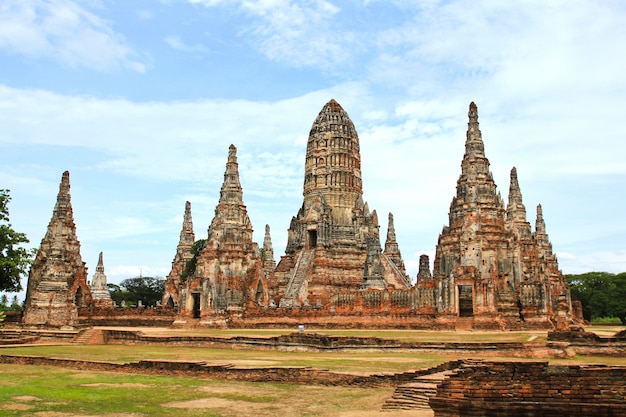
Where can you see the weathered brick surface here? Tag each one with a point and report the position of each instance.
(57, 280)
(312, 341)
(532, 389)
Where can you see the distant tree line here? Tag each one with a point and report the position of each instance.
(148, 290)
(602, 294)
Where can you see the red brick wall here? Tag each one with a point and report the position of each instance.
(532, 389)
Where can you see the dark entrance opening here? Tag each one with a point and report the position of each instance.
(78, 297)
(196, 305)
(466, 302)
(170, 302)
(312, 238)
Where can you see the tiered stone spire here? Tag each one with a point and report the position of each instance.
(540, 225)
(476, 181)
(476, 218)
(231, 224)
(183, 255)
(515, 210)
(99, 291)
(333, 163)
(268, 262)
(423, 273)
(229, 265)
(57, 283)
(392, 251)
(487, 260)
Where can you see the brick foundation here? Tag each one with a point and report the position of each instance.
(532, 389)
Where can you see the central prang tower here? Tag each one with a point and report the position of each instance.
(333, 243)
(333, 163)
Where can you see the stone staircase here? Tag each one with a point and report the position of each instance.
(415, 395)
(508, 306)
(464, 324)
(296, 280)
(89, 336)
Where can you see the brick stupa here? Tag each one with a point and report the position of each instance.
(228, 268)
(489, 265)
(57, 283)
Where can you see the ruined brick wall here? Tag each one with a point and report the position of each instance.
(525, 389)
(125, 316)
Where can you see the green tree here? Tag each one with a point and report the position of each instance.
(190, 267)
(14, 259)
(148, 290)
(602, 294)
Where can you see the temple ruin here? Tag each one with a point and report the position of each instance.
(57, 281)
(491, 269)
(98, 286)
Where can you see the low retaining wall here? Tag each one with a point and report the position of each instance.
(319, 342)
(532, 389)
(588, 343)
(287, 375)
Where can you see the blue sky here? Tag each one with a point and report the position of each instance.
(140, 101)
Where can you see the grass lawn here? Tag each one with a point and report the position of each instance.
(54, 392)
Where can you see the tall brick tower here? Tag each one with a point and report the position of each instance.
(57, 283)
(333, 242)
(489, 266)
(228, 272)
(183, 255)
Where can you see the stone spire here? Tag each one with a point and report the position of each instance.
(333, 163)
(99, 291)
(515, 210)
(231, 224)
(187, 237)
(392, 251)
(99, 279)
(476, 192)
(540, 225)
(476, 182)
(268, 260)
(374, 271)
(423, 274)
(230, 263)
(183, 255)
(474, 146)
(57, 282)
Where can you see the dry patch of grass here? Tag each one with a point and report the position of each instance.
(51, 392)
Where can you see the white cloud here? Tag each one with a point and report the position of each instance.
(177, 43)
(65, 32)
(299, 33)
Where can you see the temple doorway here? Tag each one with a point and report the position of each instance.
(466, 301)
(78, 297)
(312, 239)
(196, 305)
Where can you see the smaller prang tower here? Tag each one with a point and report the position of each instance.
(99, 291)
(57, 281)
(179, 264)
(489, 266)
(333, 242)
(228, 274)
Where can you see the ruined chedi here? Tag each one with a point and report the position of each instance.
(489, 265)
(228, 268)
(57, 284)
(179, 264)
(333, 242)
(99, 292)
